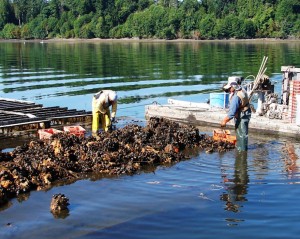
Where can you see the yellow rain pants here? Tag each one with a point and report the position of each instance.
(101, 121)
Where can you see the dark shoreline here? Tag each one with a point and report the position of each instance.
(77, 40)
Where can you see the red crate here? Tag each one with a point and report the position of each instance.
(76, 130)
(47, 133)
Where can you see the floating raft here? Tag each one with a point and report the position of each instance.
(17, 116)
(202, 114)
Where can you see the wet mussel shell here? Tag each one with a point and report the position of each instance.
(40, 164)
(59, 206)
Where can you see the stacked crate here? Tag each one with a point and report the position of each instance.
(47, 133)
(76, 130)
(294, 91)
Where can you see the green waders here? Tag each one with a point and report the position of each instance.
(241, 127)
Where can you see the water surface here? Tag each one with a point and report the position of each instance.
(226, 195)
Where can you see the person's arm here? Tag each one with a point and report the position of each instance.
(225, 121)
(233, 108)
(114, 109)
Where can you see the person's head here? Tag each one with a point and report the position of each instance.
(112, 96)
(232, 84)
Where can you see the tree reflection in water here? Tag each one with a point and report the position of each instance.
(237, 187)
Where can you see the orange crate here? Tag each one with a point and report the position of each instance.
(47, 133)
(77, 130)
(223, 135)
(231, 139)
(220, 134)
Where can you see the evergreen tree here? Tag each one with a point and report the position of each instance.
(6, 13)
(167, 19)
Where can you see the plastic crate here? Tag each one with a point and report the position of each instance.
(231, 139)
(219, 134)
(76, 130)
(223, 135)
(47, 133)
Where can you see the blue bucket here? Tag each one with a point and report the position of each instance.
(220, 100)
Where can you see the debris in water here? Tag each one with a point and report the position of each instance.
(59, 205)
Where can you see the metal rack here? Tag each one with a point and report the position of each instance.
(18, 115)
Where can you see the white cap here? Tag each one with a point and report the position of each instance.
(112, 96)
(232, 81)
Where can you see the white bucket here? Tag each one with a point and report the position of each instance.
(298, 110)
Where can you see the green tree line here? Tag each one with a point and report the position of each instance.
(156, 19)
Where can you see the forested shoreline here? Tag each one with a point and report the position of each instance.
(149, 19)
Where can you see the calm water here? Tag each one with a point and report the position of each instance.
(209, 196)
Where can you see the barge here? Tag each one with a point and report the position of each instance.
(275, 113)
(18, 117)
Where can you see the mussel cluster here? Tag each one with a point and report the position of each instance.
(39, 164)
(59, 206)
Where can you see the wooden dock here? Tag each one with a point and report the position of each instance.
(199, 114)
(17, 116)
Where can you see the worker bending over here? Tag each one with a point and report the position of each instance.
(102, 118)
(239, 109)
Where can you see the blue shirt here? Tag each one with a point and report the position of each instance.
(234, 106)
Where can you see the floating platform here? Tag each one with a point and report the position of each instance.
(17, 116)
(200, 114)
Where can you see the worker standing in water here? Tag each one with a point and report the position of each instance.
(239, 109)
(102, 118)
